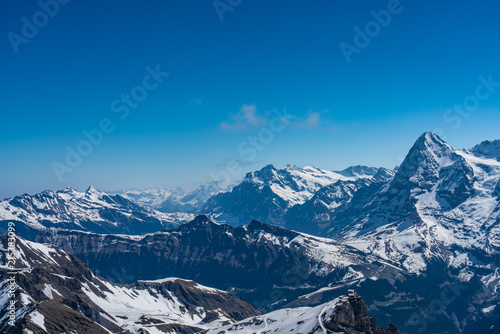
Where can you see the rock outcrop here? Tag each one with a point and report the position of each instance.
(351, 316)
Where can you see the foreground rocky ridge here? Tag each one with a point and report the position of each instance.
(57, 293)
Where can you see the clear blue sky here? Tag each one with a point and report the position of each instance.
(225, 76)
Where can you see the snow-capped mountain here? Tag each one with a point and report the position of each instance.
(175, 200)
(267, 194)
(438, 216)
(346, 314)
(92, 210)
(439, 199)
(57, 293)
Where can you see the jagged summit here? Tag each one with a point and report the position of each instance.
(430, 143)
(422, 164)
(265, 174)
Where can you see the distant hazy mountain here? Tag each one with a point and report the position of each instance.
(57, 293)
(175, 200)
(92, 211)
(152, 197)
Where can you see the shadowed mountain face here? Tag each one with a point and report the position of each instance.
(249, 256)
(57, 293)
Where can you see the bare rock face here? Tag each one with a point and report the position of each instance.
(351, 317)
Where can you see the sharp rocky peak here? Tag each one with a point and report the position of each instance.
(92, 190)
(265, 174)
(425, 157)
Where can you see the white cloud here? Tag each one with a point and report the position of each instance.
(312, 120)
(247, 118)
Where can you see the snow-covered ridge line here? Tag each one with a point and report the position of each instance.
(92, 210)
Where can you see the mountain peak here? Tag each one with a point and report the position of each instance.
(200, 222)
(428, 146)
(91, 189)
(264, 174)
(429, 138)
(425, 158)
(256, 225)
(94, 193)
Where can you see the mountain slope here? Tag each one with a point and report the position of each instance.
(255, 258)
(314, 215)
(92, 210)
(345, 314)
(57, 293)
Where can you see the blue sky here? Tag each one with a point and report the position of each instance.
(225, 77)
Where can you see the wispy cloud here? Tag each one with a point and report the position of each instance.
(247, 118)
(313, 120)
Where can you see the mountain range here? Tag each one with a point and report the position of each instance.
(422, 235)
